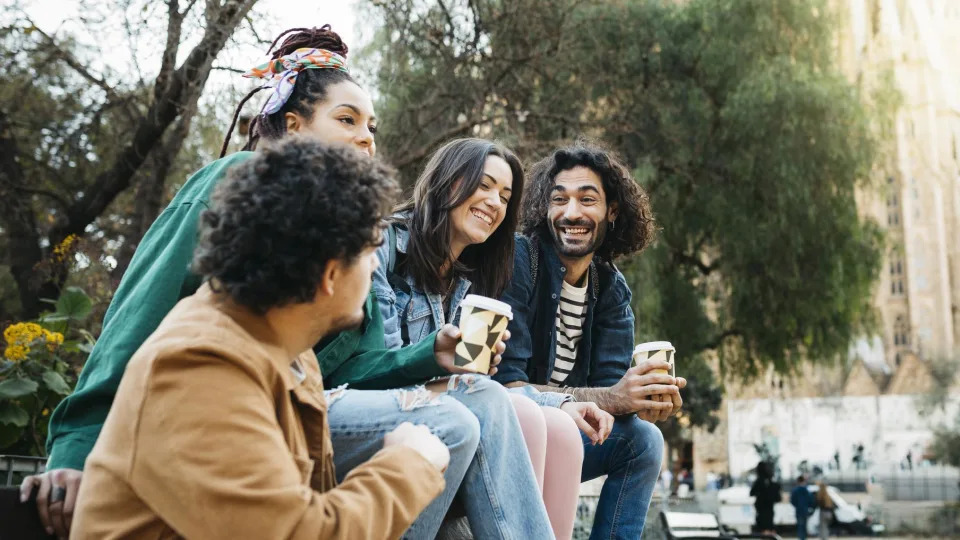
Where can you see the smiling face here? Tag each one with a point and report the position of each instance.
(578, 214)
(476, 218)
(345, 116)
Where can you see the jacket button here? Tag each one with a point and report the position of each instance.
(554, 296)
(563, 269)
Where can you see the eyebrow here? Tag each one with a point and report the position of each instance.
(507, 188)
(580, 189)
(354, 109)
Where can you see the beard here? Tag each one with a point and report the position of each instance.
(591, 242)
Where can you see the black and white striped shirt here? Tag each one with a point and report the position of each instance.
(570, 318)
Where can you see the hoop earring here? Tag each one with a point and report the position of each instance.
(613, 225)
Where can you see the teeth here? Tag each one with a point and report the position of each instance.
(483, 217)
(576, 230)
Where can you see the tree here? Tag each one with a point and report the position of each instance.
(736, 119)
(75, 141)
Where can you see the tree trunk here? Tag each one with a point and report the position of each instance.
(20, 224)
(175, 93)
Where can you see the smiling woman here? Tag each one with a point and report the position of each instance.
(462, 216)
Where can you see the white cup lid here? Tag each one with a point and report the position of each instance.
(653, 346)
(483, 302)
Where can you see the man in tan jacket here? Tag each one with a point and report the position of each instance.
(219, 427)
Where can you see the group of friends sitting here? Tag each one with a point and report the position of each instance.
(278, 360)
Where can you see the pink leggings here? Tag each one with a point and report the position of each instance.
(556, 451)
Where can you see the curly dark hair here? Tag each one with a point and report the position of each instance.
(634, 225)
(310, 88)
(280, 216)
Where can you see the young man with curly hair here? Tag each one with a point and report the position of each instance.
(572, 329)
(219, 428)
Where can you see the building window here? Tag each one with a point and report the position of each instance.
(901, 336)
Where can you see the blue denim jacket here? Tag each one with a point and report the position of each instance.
(605, 349)
(411, 315)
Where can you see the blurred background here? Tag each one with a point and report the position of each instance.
(801, 157)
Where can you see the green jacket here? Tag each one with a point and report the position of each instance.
(157, 278)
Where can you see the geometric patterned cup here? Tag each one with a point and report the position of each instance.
(656, 350)
(482, 323)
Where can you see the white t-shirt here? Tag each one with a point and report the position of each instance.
(571, 313)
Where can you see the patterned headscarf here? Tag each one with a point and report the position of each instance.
(281, 73)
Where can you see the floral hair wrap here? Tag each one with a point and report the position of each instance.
(281, 73)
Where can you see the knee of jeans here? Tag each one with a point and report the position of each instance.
(456, 425)
(646, 440)
(563, 435)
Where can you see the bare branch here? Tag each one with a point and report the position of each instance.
(693, 260)
(77, 66)
(718, 341)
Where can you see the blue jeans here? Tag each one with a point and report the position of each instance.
(489, 463)
(630, 457)
(802, 527)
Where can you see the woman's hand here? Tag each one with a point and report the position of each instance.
(593, 421)
(444, 349)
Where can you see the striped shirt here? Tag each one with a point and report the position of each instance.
(570, 317)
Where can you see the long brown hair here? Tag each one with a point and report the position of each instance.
(310, 88)
(452, 175)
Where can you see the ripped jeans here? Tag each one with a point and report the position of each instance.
(489, 463)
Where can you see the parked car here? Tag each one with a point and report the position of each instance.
(737, 512)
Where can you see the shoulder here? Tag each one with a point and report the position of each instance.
(521, 247)
(613, 284)
(197, 335)
(201, 183)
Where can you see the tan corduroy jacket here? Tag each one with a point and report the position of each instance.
(216, 432)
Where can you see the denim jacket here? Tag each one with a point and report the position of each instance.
(411, 315)
(604, 352)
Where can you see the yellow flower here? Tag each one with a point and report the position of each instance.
(16, 353)
(20, 336)
(62, 250)
(45, 412)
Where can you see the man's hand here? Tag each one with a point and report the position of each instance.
(420, 439)
(56, 498)
(593, 421)
(633, 391)
(673, 398)
(446, 344)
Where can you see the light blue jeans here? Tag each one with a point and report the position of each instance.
(489, 464)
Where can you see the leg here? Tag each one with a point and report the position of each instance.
(359, 419)
(500, 490)
(630, 458)
(534, 433)
(801, 528)
(561, 486)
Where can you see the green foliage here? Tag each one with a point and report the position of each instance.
(736, 120)
(36, 372)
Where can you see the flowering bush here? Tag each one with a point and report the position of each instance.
(35, 374)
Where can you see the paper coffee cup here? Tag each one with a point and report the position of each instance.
(656, 350)
(482, 323)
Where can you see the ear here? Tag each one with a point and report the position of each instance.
(612, 211)
(294, 122)
(331, 272)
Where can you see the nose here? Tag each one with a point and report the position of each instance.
(364, 140)
(572, 211)
(493, 201)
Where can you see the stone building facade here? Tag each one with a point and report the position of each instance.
(916, 196)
